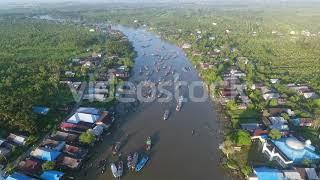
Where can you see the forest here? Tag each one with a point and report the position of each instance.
(282, 41)
(32, 55)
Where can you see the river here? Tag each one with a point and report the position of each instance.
(185, 147)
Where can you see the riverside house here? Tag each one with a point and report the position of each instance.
(290, 151)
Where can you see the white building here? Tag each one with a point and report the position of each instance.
(186, 46)
(83, 117)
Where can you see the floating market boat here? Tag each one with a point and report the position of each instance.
(130, 161)
(120, 169)
(142, 163)
(166, 114)
(179, 105)
(114, 170)
(116, 148)
(135, 159)
(148, 144)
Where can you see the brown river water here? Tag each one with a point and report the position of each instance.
(185, 147)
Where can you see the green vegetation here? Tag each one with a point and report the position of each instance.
(48, 165)
(275, 134)
(87, 138)
(242, 138)
(33, 54)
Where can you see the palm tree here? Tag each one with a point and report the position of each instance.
(227, 148)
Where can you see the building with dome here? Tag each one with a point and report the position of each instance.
(290, 151)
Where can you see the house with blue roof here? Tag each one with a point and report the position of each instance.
(302, 122)
(45, 154)
(290, 151)
(265, 173)
(52, 175)
(89, 110)
(18, 176)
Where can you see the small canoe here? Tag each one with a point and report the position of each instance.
(166, 114)
(142, 163)
(116, 148)
(179, 105)
(129, 159)
(114, 170)
(148, 144)
(135, 160)
(120, 169)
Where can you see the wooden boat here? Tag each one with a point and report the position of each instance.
(135, 159)
(114, 170)
(142, 163)
(130, 161)
(166, 114)
(116, 148)
(120, 169)
(148, 144)
(179, 105)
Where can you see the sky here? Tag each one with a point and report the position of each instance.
(135, 1)
(3, 2)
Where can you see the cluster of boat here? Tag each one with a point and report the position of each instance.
(135, 162)
(178, 108)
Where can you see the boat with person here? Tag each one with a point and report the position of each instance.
(120, 169)
(179, 105)
(129, 161)
(114, 170)
(166, 114)
(142, 163)
(148, 144)
(135, 159)
(116, 148)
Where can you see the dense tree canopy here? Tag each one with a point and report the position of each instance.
(242, 138)
(32, 54)
(87, 138)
